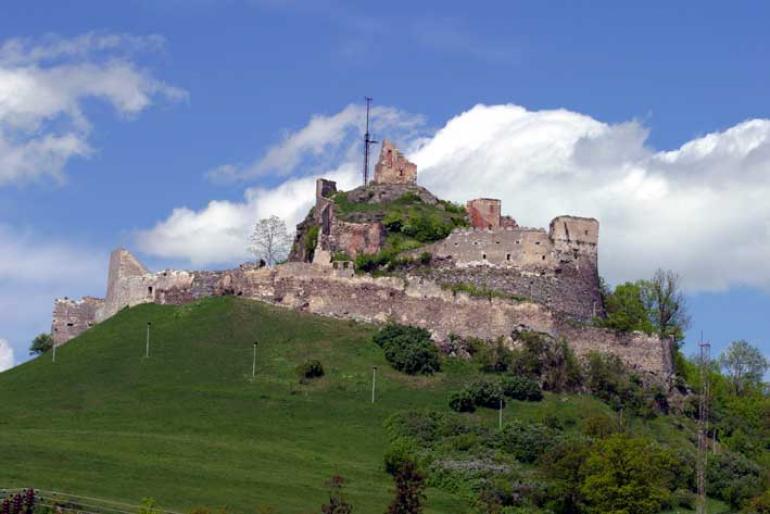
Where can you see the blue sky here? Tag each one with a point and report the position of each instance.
(115, 116)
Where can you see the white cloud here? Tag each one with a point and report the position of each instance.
(35, 269)
(701, 209)
(323, 140)
(6, 356)
(43, 86)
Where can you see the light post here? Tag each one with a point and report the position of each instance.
(374, 381)
(254, 362)
(147, 345)
(500, 415)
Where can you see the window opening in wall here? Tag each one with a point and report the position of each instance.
(586, 232)
(507, 256)
(70, 324)
(400, 173)
(490, 226)
(149, 290)
(543, 257)
(484, 256)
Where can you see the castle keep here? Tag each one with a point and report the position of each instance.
(542, 280)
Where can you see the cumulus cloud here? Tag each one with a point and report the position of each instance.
(6, 356)
(699, 209)
(43, 85)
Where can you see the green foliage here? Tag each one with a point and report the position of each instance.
(492, 357)
(462, 401)
(527, 441)
(652, 306)
(311, 239)
(310, 369)
(482, 292)
(744, 364)
(41, 344)
(733, 478)
(408, 349)
(759, 504)
(627, 475)
(626, 309)
(521, 388)
(150, 506)
(600, 426)
(550, 361)
(400, 451)
(608, 379)
(341, 256)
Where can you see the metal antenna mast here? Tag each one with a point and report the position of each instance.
(367, 142)
(703, 424)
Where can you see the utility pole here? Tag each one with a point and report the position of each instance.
(703, 425)
(147, 344)
(367, 142)
(54, 352)
(500, 415)
(374, 381)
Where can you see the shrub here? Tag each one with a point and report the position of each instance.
(310, 369)
(521, 388)
(462, 401)
(425, 258)
(759, 504)
(408, 349)
(311, 238)
(400, 451)
(486, 393)
(733, 478)
(599, 426)
(527, 442)
(493, 358)
(551, 361)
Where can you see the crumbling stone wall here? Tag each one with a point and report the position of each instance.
(393, 168)
(335, 291)
(557, 268)
(73, 317)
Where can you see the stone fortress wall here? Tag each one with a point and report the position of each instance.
(327, 291)
(551, 277)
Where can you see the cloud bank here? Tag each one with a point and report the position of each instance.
(699, 209)
(43, 86)
(6, 356)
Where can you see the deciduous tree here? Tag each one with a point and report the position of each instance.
(270, 240)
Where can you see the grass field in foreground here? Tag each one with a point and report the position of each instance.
(189, 427)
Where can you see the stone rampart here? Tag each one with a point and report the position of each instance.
(335, 292)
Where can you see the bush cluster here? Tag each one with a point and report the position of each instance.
(408, 349)
(310, 369)
(491, 392)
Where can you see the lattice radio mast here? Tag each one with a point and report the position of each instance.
(367, 143)
(703, 424)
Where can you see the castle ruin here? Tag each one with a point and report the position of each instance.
(546, 281)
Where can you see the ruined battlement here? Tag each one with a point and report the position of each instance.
(393, 168)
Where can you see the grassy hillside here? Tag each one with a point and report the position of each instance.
(190, 427)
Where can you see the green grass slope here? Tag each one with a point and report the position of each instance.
(190, 427)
